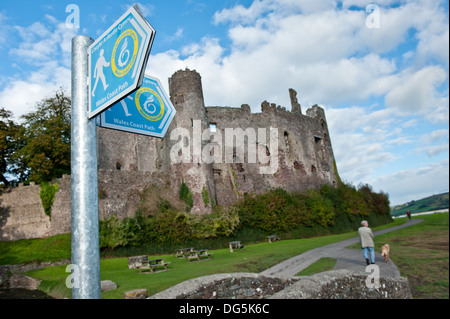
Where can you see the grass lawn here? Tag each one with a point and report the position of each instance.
(253, 258)
(25, 251)
(323, 264)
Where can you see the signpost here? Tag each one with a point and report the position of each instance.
(117, 60)
(85, 254)
(103, 72)
(147, 111)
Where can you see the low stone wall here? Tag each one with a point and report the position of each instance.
(21, 214)
(344, 284)
(10, 275)
(336, 284)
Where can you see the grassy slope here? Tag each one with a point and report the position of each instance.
(25, 251)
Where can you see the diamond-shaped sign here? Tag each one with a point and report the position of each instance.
(117, 60)
(146, 111)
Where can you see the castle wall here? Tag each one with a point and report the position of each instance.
(132, 165)
(21, 214)
(60, 221)
(305, 156)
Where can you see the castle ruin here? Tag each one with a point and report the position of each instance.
(220, 153)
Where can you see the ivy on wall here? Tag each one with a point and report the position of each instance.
(47, 195)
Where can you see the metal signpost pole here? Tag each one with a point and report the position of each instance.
(84, 186)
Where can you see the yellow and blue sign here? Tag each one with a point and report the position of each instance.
(117, 60)
(146, 111)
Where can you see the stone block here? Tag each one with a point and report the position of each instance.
(135, 261)
(136, 294)
(24, 282)
(108, 285)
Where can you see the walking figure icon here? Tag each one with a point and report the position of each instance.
(98, 72)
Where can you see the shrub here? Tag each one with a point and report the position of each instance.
(274, 211)
(205, 196)
(47, 194)
(218, 224)
(320, 208)
(114, 232)
(186, 196)
(302, 214)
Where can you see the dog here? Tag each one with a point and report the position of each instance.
(385, 250)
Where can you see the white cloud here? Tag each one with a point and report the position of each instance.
(433, 150)
(429, 141)
(435, 135)
(363, 140)
(176, 36)
(412, 184)
(146, 9)
(21, 96)
(44, 50)
(262, 8)
(417, 92)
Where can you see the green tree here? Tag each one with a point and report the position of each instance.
(46, 138)
(9, 144)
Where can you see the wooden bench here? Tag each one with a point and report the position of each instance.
(152, 264)
(235, 245)
(183, 252)
(155, 263)
(273, 238)
(196, 255)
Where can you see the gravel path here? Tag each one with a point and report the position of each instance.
(350, 259)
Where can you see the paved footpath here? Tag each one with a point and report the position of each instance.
(350, 259)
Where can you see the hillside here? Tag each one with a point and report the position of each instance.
(430, 203)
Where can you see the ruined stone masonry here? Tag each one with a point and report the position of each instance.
(221, 153)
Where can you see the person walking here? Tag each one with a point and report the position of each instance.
(409, 215)
(367, 244)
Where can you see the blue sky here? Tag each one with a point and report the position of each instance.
(384, 89)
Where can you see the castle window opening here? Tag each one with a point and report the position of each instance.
(212, 127)
(118, 166)
(240, 167)
(286, 141)
(317, 139)
(320, 147)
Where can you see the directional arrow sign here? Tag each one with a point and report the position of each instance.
(117, 60)
(146, 111)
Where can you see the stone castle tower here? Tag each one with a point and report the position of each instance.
(228, 151)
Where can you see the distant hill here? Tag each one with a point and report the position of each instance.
(434, 202)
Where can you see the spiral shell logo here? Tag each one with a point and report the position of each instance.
(124, 59)
(150, 106)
